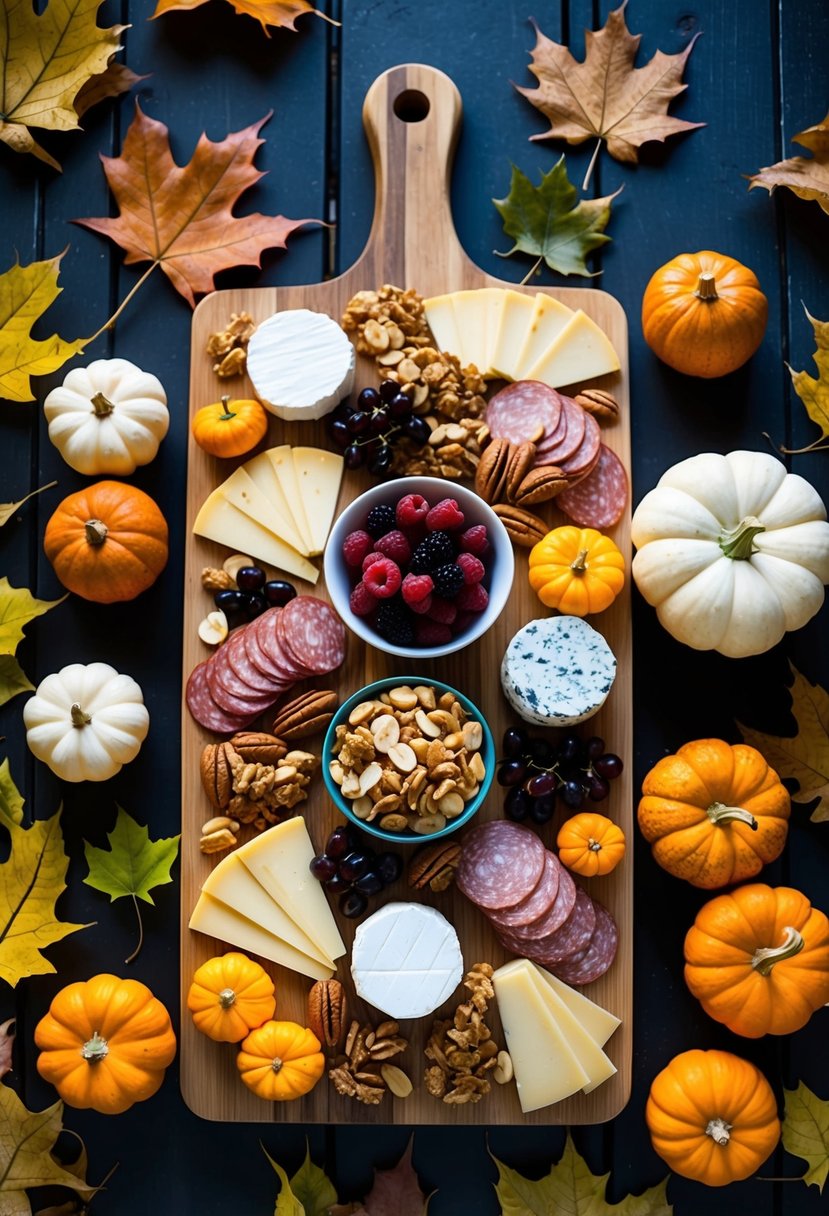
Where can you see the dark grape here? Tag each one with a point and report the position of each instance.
(511, 772)
(517, 804)
(400, 406)
(256, 605)
(358, 422)
(231, 602)
(323, 867)
(337, 884)
(380, 460)
(278, 592)
(418, 430)
(250, 578)
(353, 904)
(388, 390)
(572, 794)
(339, 433)
(353, 457)
(542, 752)
(597, 788)
(339, 843)
(370, 884)
(542, 809)
(594, 747)
(609, 766)
(569, 748)
(541, 784)
(379, 422)
(514, 743)
(369, 399)
(354, 866)
(389, 866)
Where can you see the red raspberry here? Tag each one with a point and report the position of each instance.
(432, 633)
(475, 540)
(444, 515)
(473, 598)
(416, 587)
(422, 607)
(355, 546)
(442, 611)
(383, 578)
(361, 601)
(371, 558)
(473, 568)
(462, 621)
(395, 546)
(411, 509)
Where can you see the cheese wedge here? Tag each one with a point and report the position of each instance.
(440, 316)
(279, 859)
(219, 520)
(582, 351)
(233, 885)
(261, 471)
(513, 325)
(587, 1051)
(319, 474)
(549, 319)
(599, 1023)
(242, 491)
(282, 463)
(470, 309)
(215, 920)
(494, 300)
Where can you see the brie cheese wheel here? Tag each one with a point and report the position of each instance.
(406, 960)
(301, 364)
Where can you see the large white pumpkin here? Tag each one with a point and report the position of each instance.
(109, 417)
(86, 721)
(733, 551)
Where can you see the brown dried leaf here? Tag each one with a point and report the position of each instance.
(115, 80)
(281, 14)
(805, 176)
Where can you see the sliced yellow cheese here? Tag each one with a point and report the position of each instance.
(318, 475)
(262, 472)
(587, 1051)
(599, 1023)
(219, 520)
(233, 885)
(582, 351)
(440, 316)
(545, 1065)
(548, 320)
(226, 925)
(242, 491)
(515, 319)
(279, 860)
(470, 309)
(282, 462)
(494, 300)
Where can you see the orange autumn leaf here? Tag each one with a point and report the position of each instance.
(181, 217)
(281, 14)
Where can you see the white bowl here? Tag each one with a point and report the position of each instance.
(500, 564)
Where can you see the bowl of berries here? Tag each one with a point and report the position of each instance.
(418, 572)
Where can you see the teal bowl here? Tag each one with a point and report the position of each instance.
(372, 693)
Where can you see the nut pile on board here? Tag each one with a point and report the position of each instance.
(229, 346)
(363, 1072)
(464, 1052)
(254, 779)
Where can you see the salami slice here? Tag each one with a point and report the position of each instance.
(316, 634)
(598, 955)
(260, 660)
(248, 675)
(229, 694)
(599, 500)
(574, 935)
(570, 441)
(204, 709)
(266, 627)
(558, 913)
(520, 410)
(537, 904)
(500, 865)
(289, 657)
(585, 457)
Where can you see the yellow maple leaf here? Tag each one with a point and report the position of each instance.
(278, 13)
(813, 391)
(25, 294)
(806, 1133)
(27, 1139)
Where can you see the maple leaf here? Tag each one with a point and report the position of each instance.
(605, 96)
(8, 509)
(7, 1030)
(396, 1192)
(180, 217)
(805, 176)
(281, 14)
(47, 59)
(17, 608)
(814, 391)
(25, 294)
(806, 1133)
(27, 1140)
(11, 800)
(116, 79)
(547, 222)
(571, 1187)
(803, 757)
(132, 865)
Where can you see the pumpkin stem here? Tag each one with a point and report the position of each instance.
(95, 1049)
(79, 715)
(738, 543)
(228, 413)
(96, 532)
(706, 287)
(595, 846)
(765, 958)
(579, 566)
(101, 405)
(719, 1131)
(227, 997)
(719, 813)
(276, 1064)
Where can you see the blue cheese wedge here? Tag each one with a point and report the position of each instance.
(557, 671)
(301, 364)
(406, 960)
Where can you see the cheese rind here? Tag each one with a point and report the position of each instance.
(220, 521)
(406, 960)
(549, 319)
(582, 351)
(319, 474)
(599, 1023)
(226, 925)
(557, 671)
(514, 322)
(243, 493)
(301, 364)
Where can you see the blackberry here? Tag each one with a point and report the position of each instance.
(381, 519)
(394, 623)
(436, 550)
(448, 580)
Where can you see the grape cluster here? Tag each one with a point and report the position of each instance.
(353, 871)
(536, 771)
(365, 432)
(252, 595)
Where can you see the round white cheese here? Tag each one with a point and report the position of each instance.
(406, 960)
(301, 364)
(557, 671)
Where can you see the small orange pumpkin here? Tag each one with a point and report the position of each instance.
(712, 1117)
(757, 960)
(229, 428)
(280, 1061)
(704, 314)
(105, 1043)
(108, 542)
(230, 996)
(590, 844)
(576, 570)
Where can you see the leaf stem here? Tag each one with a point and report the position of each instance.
(533, 270)
(817, 445)
(110, 324)
(137, 949)
(592, 165)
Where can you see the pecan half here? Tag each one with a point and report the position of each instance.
(216, 769)
(540, 485)
(256, 747)
(523, 528)
(305, 715)
(434, 866)
(490, 476)
(326, 1012)
(599, 403)
(521, 457)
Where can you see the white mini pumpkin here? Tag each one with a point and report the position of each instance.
(733, 551)
(86, 721)
(109, 417)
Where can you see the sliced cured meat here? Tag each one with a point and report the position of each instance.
(558, 913)
(248, 675)
(231, 696)
(574, 935)
(521, 410)
(500, 865)
(570, 441)
(289, 657)
(537, 904)
(585, 457)
(202, 706)
(266, 627)
(598, 955)
(316, 634)
(260, 660)
(599, 500)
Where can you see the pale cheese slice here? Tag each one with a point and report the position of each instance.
(319, 474)
(440, 316)
(279, 859)
(494, 299)
(215, 920)
(282, 463)
(242, 491)
(233, 885)
(514, 323)
(219, 520)
(261, 470)
(599, 1023)
(471, 318)
(582, 351)
(550, 317)
(593, 1060)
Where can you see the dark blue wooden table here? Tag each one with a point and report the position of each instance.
(757, 76)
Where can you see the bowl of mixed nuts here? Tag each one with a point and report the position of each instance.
(406, 760)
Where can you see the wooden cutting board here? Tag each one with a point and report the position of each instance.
(412, 118)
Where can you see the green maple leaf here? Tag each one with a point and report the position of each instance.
(547, 222)
(132, 865)
(571, 1187)
(313, 1188)
(806, 1132)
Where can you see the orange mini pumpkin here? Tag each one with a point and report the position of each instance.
(590, 844)
(108, 542)
(280, 1061)
(230, 996)
(576, 570)
(229, 428)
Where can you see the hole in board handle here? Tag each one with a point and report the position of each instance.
(411, 105)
